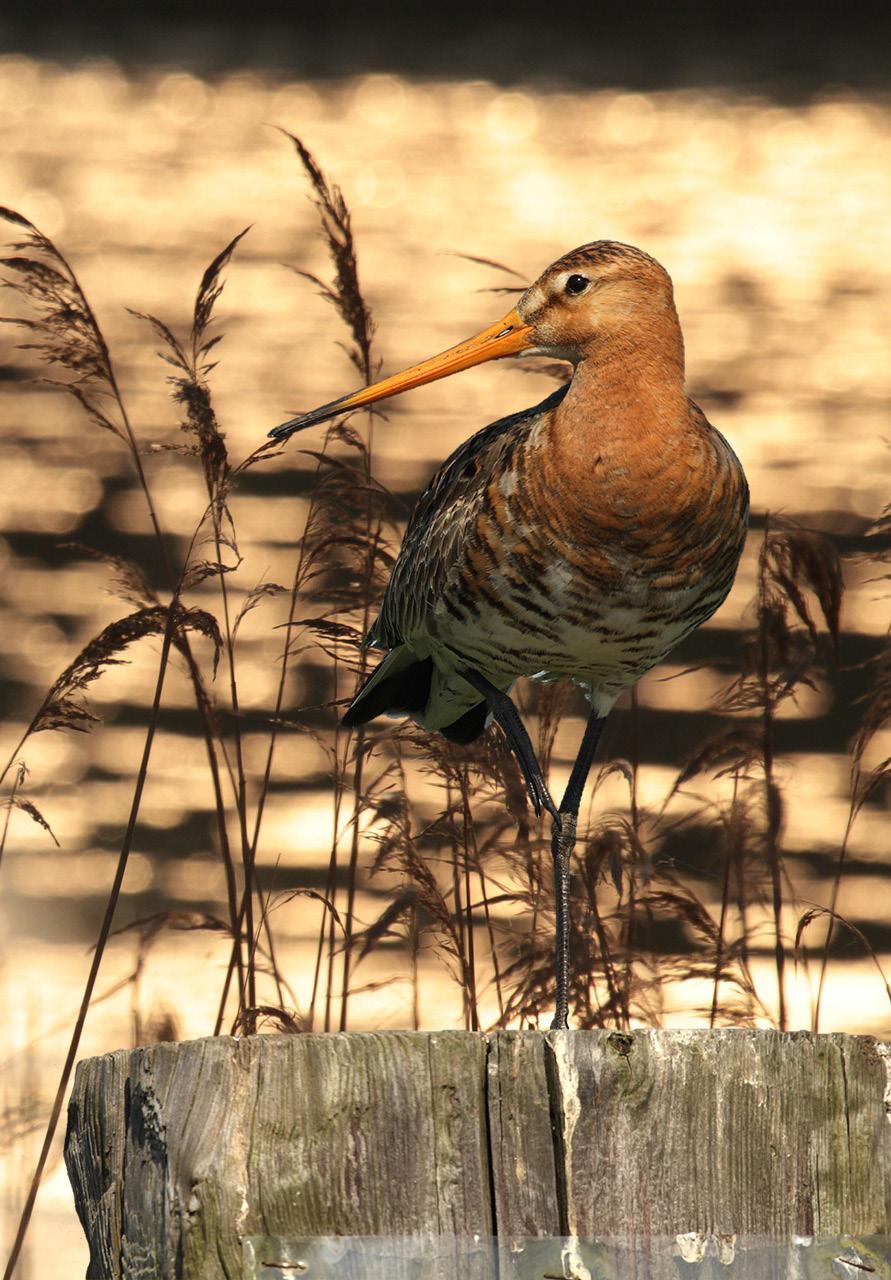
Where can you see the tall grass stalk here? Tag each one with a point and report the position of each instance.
(365, 534)
(66, 333)
(98, 953)
(786, 650)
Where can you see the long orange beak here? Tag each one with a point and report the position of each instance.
(506, 338)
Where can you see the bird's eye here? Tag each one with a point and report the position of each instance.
(577, 284)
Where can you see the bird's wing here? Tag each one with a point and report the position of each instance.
(441, 526)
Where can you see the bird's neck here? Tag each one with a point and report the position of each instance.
(622, 429)
(627, 385)
(643, 364)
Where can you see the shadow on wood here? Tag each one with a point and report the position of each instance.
(178, 1152)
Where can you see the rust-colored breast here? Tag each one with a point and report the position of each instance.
(659, 499)
(548, 543)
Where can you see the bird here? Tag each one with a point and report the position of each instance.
(580, 539)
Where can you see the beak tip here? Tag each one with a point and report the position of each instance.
(285, 429)
(303, 420)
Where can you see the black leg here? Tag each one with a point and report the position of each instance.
(507, 715)
(562, 845)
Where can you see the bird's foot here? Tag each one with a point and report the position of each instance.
(536, 787)
(542, 799)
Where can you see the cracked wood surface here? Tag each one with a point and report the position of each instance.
(176, 1152)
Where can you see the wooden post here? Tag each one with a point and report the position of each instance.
(178, 1152)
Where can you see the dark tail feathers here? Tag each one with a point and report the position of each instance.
(407, 690)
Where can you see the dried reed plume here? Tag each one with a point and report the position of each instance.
(64, 332)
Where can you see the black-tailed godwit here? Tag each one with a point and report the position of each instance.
(579, 539)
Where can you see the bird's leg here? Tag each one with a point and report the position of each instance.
(507, 715)
(562, 845)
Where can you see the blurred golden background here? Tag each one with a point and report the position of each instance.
(767, 202)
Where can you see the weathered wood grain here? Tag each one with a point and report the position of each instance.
(203, 1144)
(524, 1168)
(729, 1132)
(660, 1140)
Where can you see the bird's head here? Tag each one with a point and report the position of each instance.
(591, 296)
(596, 293)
